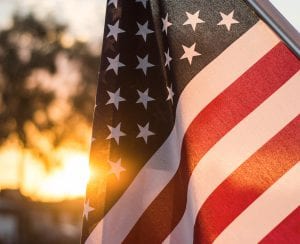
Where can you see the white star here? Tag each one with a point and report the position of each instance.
(114, 30)
(116, 168)
(228, 20)
(115, 133)
(143, 30)
(168, 58)
(170, 93)
(115, 98)
(145, 132)
(144, 98)
(114, 2)
(144, 2)
(115, 64)
(144, 64)
(86, 209)
(193, 20)
(166, 24)
(189, 53)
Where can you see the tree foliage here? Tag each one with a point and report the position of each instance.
(31, 45)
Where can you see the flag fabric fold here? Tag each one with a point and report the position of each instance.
(196, 127)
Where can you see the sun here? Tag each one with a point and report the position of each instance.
(69, 180)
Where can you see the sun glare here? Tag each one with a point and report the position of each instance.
(68, 181)
(64, 182)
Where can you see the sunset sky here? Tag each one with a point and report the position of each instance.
(85, 18)
(85, 21)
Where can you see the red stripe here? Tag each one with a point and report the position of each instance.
(248, 182)
(288, 231)
(220, 116)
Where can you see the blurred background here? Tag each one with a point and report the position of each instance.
(49, 57)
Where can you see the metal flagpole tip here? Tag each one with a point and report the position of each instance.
(278, 22)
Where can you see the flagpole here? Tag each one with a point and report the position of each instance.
(278, 23)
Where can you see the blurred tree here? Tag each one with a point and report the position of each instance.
(25, 102)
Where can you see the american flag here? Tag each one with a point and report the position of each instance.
(196, 135)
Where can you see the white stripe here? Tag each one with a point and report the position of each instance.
(162, 166)
(233, 149)
(263, 215)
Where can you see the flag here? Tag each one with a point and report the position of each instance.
(196, 127)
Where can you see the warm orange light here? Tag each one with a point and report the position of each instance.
(67, 181)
